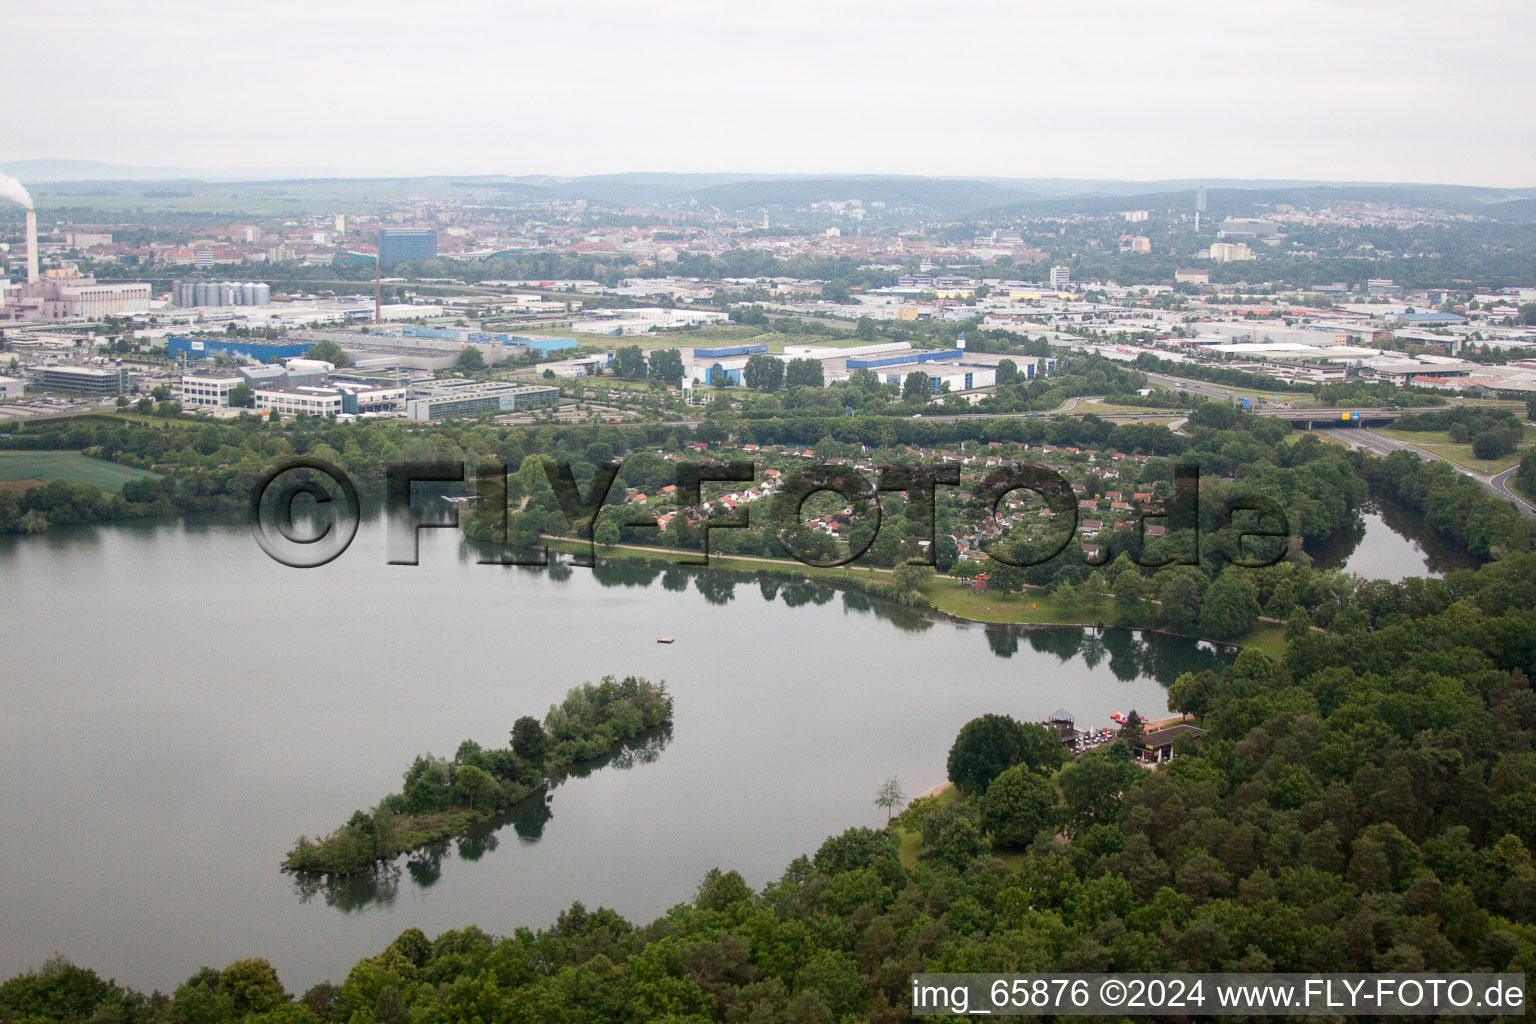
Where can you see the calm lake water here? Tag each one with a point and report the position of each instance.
(1390, 543)
(179, 708)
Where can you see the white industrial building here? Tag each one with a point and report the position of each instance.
(208, 390)
(625, 322)
(292, 401)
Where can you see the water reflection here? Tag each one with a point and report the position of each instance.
(1391, 541)
(380, 886)
(1128, 654)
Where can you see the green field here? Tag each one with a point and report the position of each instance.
(71, 467)
(1438, 442)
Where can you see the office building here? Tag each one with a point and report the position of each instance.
(451, 399)
(1061, 277)
(208, 390)
(90, 381)
(292, 401)
(396, 244)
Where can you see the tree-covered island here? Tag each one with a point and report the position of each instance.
(443, 798)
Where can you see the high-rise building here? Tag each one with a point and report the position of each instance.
(1230, 252)
(1061, 277)
(396, 244)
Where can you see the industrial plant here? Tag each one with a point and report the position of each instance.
(61, 294)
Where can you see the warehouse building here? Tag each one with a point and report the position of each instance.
(207, 348)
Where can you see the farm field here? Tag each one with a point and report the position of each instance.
(71, 467)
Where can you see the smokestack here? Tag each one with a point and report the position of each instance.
(31, 247)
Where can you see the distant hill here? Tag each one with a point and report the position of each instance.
(960, 198)
(49, 170)
(1517, 205)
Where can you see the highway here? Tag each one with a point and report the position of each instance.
(1499, 486)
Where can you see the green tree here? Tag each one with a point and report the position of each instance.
(889, 797)
(836, 291)
(1007, 372)
(474, 786)
(667, 367)
(470, 360)
(951, 835)
(629, 363)
(330, 352)
(1134, 730)
(1231, 605)
(606, 532)
(1192, 693)
(804, 373)
(908, 578)
(529, 741)
(1017, 805)
(1181, 600)
(763, 372)
(1489, 444)
(1093, 786)
(917, 389)
(989, 745)
(241, 396)
(252, 987)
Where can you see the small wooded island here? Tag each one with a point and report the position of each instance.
(446, 798)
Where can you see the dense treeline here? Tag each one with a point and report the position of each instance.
(445, 797)
(209, 466)
(1365, 804)
(1375, 395)
(1452, 505)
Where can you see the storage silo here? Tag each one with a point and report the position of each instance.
(263, 294)
(200, 294)
(248, 293)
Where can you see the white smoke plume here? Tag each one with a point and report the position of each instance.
(14, 190)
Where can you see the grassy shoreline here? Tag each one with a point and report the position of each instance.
(943, 593)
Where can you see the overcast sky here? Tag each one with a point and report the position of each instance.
(1403, 90)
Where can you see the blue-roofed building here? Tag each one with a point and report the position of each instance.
(207, 348)
(728, 352)
(941, 355)
(544, 346)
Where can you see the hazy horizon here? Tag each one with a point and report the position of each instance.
(1137, 92)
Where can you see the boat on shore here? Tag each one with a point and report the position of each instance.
(666, 639)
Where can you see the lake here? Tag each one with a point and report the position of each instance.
(1389, 543)
(180, 708)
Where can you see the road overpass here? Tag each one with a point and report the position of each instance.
(1344, 416)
